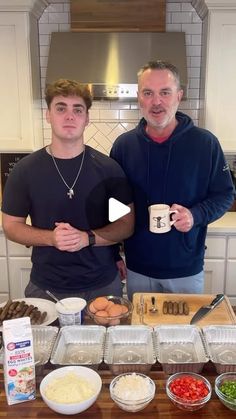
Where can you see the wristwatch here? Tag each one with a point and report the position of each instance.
(91, 237)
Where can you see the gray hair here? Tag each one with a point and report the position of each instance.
(161, 65)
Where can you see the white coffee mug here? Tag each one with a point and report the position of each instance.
(160, 218)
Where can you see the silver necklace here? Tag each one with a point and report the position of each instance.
(70, 192)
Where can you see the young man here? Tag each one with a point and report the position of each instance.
(65, 188)
(170, 161)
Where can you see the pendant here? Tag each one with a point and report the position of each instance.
(70, 193)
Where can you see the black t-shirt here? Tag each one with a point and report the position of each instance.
(35, 188)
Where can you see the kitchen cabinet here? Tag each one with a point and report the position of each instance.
(4, 288)
(19, 275)
(20, 106)
(19, 265)
(214, 266)
(220, 265)
(230, 288)
(218, 82)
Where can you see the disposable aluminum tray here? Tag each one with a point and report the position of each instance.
(129, 349)
(180, 348)
(221, 346)
(43, 340)
(79, 345)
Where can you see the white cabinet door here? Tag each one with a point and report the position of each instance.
(19, 275)
(16, 249)
(215, 247)
(20, 105)
(214, 271)
(220, 63)
(230, 287)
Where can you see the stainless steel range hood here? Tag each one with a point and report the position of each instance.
(109, 61)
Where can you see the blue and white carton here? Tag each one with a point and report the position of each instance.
(19, 367)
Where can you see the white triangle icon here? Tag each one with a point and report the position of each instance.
(116, 209)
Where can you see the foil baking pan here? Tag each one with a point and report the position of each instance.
(180, 348)
(129, 349)
(43, 340)
(79, 345)
(221, 346)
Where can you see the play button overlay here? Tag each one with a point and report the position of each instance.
(116, 209)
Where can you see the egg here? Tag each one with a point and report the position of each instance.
(115, 310)
(92, 308)
(110, 304)
(114, 322)
(100, 303)
(124, 309)
(101, 317)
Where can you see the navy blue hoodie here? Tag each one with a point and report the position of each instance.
(188, 169)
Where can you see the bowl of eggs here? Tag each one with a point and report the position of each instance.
(109, 310)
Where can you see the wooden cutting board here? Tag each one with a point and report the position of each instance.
(222, 314)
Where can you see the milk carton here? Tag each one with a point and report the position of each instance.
(19, 370)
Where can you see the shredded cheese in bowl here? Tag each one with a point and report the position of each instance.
(132, 387)
(70, 388)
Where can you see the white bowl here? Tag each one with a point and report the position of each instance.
(72, 408)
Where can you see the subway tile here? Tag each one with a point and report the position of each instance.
(44, 18)
(187, 7)
(194, 72)
(188, 40)
(58, 17)
(66, 7)
(45, 29)
(173, 27)
(173, 7)
(194, 83)
(195, 61)
(193, 50)
(64, 27)
(55, 8)
(193, 93)
(182, 17)
(44, 40)
(44, 50)
(196, 18)
(101, 104)
(196, 39)
(119, 105)
(109, 114)
(129, 114)
(192, 28)
(94, 114)
(105, 127)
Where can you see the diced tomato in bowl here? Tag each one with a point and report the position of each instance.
(188, 391)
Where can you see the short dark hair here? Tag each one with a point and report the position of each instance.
(65, 87)
(161, 65)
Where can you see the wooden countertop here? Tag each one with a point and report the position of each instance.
(104, 408)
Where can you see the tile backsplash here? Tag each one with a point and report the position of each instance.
(108, 119)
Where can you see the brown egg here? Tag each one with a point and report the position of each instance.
(124, 309)
(101, 317)
(92, 308)
(115, 310)
(100, 303)
(110, 304)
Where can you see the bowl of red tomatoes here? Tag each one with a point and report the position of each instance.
(188, 391)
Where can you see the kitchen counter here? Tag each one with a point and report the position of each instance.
(105, 408)
(225, 224)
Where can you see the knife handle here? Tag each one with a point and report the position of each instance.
(217, 300)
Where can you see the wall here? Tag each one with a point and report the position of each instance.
(109, 119)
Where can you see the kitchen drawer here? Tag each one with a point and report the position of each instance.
(232, 247)
(16, 249)
(216, 247)
(2, 245)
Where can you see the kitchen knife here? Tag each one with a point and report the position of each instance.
(204, 310)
